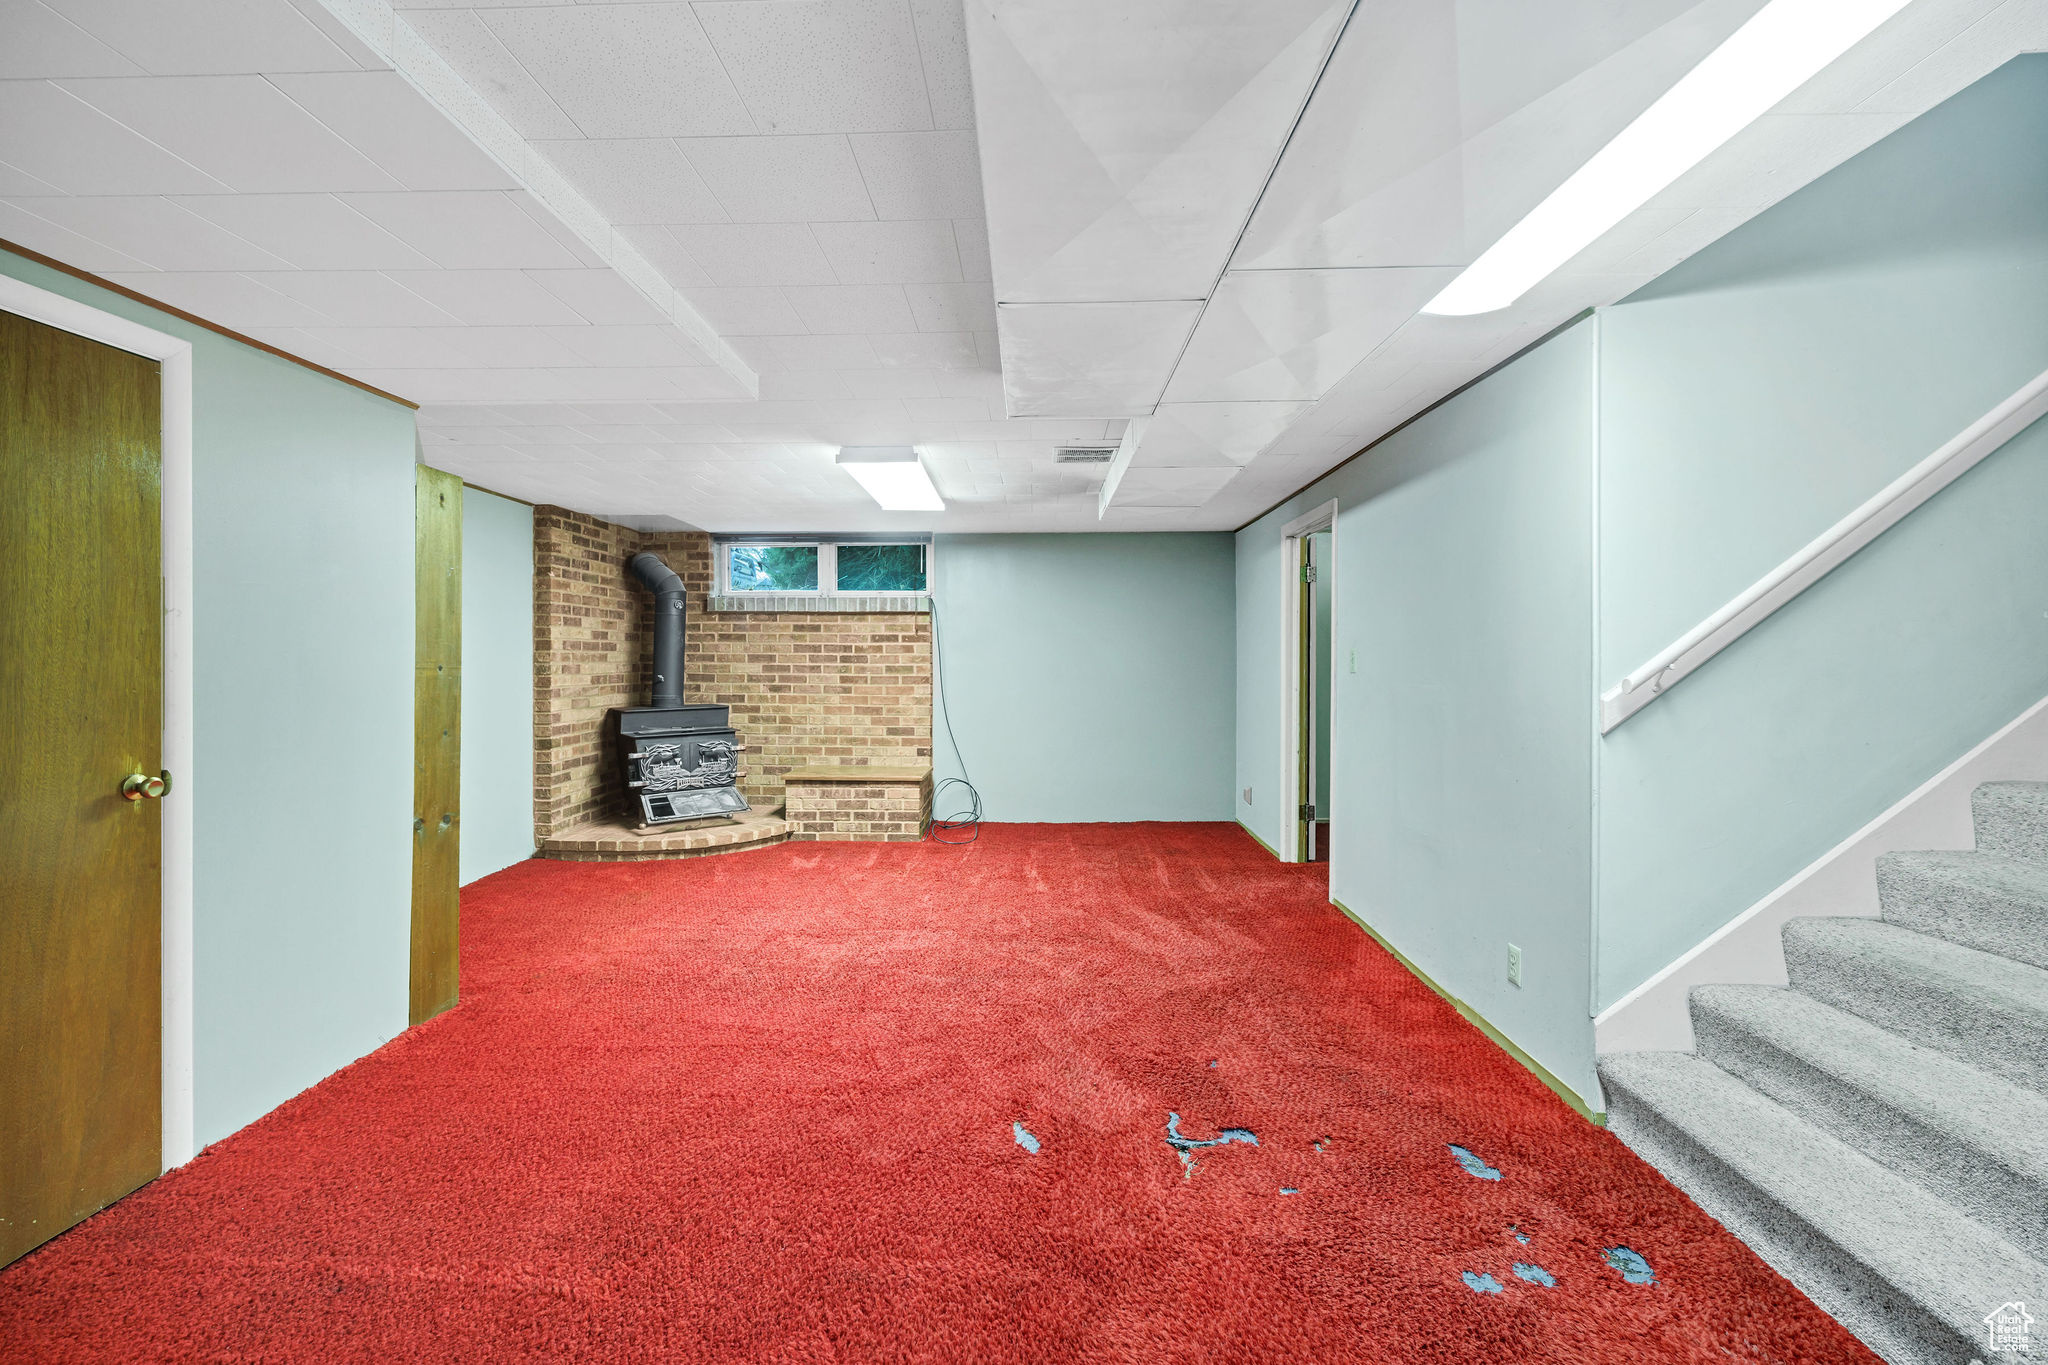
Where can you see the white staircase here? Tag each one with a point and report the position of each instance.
(1878, 1132)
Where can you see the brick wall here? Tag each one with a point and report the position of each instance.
(896, 812)
(804, 687)
(586, 622)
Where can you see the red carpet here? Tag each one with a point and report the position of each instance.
(760, 1107)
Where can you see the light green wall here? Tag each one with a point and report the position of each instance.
(1461, 799)
(1088, 676)
(1746, 401)
(1749, 399)
(302, 621)
(497, 683)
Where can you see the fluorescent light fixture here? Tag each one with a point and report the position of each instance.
(894, 477)
(1781, 47)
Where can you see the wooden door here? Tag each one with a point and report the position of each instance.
(437, 740)
(81, 691)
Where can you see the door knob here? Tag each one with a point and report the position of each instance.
(143, 787)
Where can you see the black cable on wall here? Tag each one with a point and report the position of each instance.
(962, 827)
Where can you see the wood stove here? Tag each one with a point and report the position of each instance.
(680, 762)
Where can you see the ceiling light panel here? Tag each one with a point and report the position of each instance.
(894, 477)
(1782, 47)
(1440, 123)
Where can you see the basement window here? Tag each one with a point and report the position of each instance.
(835, 573)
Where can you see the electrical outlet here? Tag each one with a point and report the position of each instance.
(1247, 796)
(1514, 965)
(1354, 661)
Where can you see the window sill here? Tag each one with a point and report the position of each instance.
(805, 601)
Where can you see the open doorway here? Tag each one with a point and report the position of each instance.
(1309, 559)
(1317, 654)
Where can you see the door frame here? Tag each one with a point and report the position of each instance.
(1292, 683)
(175, 356)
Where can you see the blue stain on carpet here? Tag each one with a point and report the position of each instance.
(1024, 1138)
(1185, 1147)
(1535, 1274)
(1289, 1189)
(1483, 1284)
(1631, 1264)
(1472, 1164)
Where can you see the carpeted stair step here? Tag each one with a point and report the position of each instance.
(1894, 1263)
(1980, 900)
(2011, 819)
(1976, 1140)
(1977, 1007)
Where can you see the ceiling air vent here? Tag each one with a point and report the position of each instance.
(1084, 454)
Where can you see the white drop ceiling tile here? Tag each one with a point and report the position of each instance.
(895, 383)
(404, 348)
(642, 346)
(807, 353)
(53, 135)
(1176, 487)
(241, 130)
(16, 182)
(585, 254)
(735, 254)
(221, 297)
(39, 234)
(806, 385)
(970, 237)
(2015, 26)
(1090, 359)
(1190, 435)
(42, 43)
(1128, 143)
(1437, 126)
(487, 298)
(465, 229)
(153, 229)
(313, 231)
(951, 307)
(642, 180)
(891, 253)
(651, 384)
(808, 66)
(512, 348)
(455, 385)
(836, 308)
(938, 351)
(382, 116)
(208, 37)
(488, 66)
(661, 250)
(920, 175)
(1898, 44)
(967, 383)
(746, 312)
(936, 409)
(942, 42)
(600, 296)
(782, 179)
(629, 70)
(1286, 334)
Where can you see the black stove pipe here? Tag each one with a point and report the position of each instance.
(671, 621)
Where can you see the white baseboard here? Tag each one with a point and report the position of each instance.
(1654, 1017)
